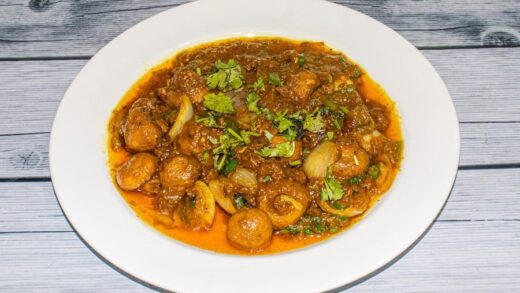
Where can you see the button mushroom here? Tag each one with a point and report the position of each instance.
(250, 230)
(136, 171)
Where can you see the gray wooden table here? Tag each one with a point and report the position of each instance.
(473, 246)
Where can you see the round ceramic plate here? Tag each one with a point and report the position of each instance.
(103, 219)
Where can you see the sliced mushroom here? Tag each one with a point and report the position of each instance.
(198, 211)
(357, 204)
(218, 188)
(284, 202)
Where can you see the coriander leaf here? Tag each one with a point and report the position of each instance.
(219, 103)
(225, 149)
(333, 190)
(284, 149)
(374, 172)
(355, 180)
(301, 60)
(239, 201)
(314, 122)
(246, 135)
(208, 121)
(292, 229)
(229, 167)
(223, 66)
(295, 163)
(268, 135)
(259, 85)
(227, 75)
(333, 229)
(252, 102)
(287, 125)
(274, 79)
(330, 135)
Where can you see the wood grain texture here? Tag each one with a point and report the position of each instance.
(80, 28)
(26, 155)
(32, 206)
(452, 257)
(483, 84)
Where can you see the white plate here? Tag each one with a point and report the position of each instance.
(100, 215)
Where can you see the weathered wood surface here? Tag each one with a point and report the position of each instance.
(32, 207)
(31, 29)
(483, 84)
(473, 247)
(452, 257)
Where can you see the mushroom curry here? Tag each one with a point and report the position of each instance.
(254, 145)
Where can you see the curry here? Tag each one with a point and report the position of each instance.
(254, 145)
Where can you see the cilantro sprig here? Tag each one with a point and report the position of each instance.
(219, 103)
(228, 76)
(333, 190)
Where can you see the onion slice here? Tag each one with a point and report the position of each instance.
(185, 114)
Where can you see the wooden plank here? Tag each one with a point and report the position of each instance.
(478, 254)
(457, 257)
(32, 206)
(482, 83)
(26, 156)
(80, 28)
(31, 92)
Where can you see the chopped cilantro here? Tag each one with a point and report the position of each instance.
(313, 121)
(229, 167)
(198, 71)
(355, 180)
(252, 102)
(333, 229)
(259, 85)
(208, 121)
(301, 60)
(342, 218)
(227, 144)
(356, 74)
(266, 179)
(246, 135)
(338, 206)
(219, 103)
(374, 172)
(284, 149)
(205, 155)
(330, 135)
(295, 163)
(338, 122)
(308, 231)
(333, 189)
(228, 75)
(239, 201)
(289, 126)
(268, 135)
(291, 229)
(274, 79)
